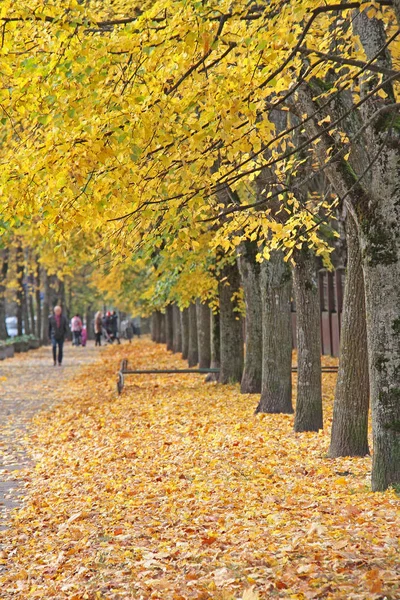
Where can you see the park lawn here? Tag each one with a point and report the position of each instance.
(176, 490)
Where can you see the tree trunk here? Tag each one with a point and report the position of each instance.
(20, 290)
(308, 331)
(185, 333)
(215, 338)
(193, 351)
(89, 317)
(379, 233)
(203, 334)
(177, 342)
(169, 327)
(61, 300)
(46, 308)
(231, 331)
(155, 326)
(349, 435)
(37, 301)
(31, 311)
(250, 276)
(381, 265)
(162, 339)
(4, 254)
(276, 392)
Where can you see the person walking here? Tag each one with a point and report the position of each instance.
(98, 327)
(114, 327)
(58, 329)
(129, 331)
(76, 328)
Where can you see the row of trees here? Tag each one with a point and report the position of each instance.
(32, 282)
(204, 150)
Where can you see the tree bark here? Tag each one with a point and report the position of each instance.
(193, 351)
(378, 219)
(185, 333)
(203, 334)
(46, 308)
(169, 327)
(37, 301)
(276, 392)
(20, 289)
(308, 331)
(349, 435)
(4, 254)
(61, 300)
(89, 317)
(163, 338)
(177, 341)
(231, 330)
(250, 276)
(215, 338)
(155, 326)
(32, 312)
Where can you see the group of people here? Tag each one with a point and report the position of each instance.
(107, 326)
(59, 330)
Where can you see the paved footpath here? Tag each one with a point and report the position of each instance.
(31, 384)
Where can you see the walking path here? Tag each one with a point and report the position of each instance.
(29, 383)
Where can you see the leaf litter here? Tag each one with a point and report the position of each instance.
(176, 490)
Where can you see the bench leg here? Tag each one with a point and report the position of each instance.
(120, 383)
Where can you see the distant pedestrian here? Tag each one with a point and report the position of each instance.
(129, 331)
(58, 329)
(107, 327)
(76, 328)
(98, 327)
(136, 326)
(114, 327)
(83, 336)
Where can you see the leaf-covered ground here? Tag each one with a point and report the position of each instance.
(176, 490)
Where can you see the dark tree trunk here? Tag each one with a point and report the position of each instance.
(185, 333)
(163, 334)
(61, 300)
(349, 435)
(37, 301)
(193, 350)
(308, 331)
(46, 307)
(203, 334)
(250, 276)
(155, 326)
(4, 254)
(25, 311)
(169, 327)
(31, 311)
(215, 338)
(276, 393)
(20, 290)
(177, 345)
(89, 322)
(231, 330)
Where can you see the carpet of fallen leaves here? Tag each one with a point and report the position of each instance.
(176, 490)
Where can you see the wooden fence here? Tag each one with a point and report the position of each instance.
(331, 288)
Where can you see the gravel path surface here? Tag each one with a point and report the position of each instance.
(29, 383)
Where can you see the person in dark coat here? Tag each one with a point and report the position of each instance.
(114, 327)
(58, 329)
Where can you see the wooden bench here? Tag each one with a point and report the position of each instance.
(125, 371)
